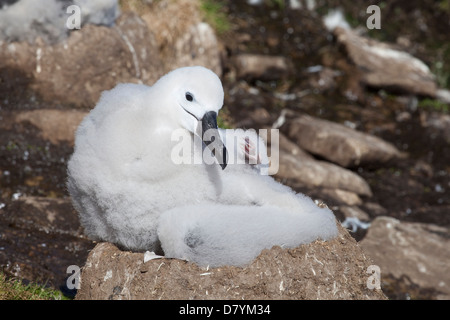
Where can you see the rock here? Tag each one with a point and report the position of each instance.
(259, 116)
(443, 95)
(290, 147)
(334, 269)
(438, 123)
(284, 146)
(338, 143)
(182, 37)
(54, 125)
(104, 13)
(69, 73)
(320, 174)
(375, 209)
(354, 212)
(44, 214)
(342, 196)
(40, 238)
(323, 79)
(383, 66)
(403, 116)
(419, 252)
(28, 20)
(198, 46)
(261, 67)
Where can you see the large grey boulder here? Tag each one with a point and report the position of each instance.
(338, 143)
(300, 170)
(315, 174)
(383, 66)
(418, 252)
(50, 20)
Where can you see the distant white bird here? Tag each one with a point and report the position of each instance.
(129, 190)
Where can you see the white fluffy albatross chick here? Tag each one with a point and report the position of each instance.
(128, 189)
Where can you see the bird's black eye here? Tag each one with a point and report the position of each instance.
(189, 97)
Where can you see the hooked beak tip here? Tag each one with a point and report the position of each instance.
(209, 122)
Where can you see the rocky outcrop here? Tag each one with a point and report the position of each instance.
(338, 143)
(53, 125)
(383, 66)
(182, 37)
(418, 252)
(74, 72)
(262, 67)
(302, 170)
(91, 60)
(336, 269)
(51, 20)
(320, 174)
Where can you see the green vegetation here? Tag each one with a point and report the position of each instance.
(11, 146)
(16, 290)
(444, 5)
(224, 120)
(441, 71)
(215, 15)
(279, 4)
(434, 105)
(221, 123)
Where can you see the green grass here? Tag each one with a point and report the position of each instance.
(224, 119)
(213, 11)
(442, 71)
(434, 105)
(16, 290)
(222, 123)
(279, 4)
(444, 5)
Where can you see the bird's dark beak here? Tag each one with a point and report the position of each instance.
(211, 138)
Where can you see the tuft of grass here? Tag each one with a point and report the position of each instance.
(213, 11)
(224, 119)
(16, 290)
(434, 105)
(279, 4)
(444, 5)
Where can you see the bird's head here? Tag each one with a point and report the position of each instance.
(196, 96)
